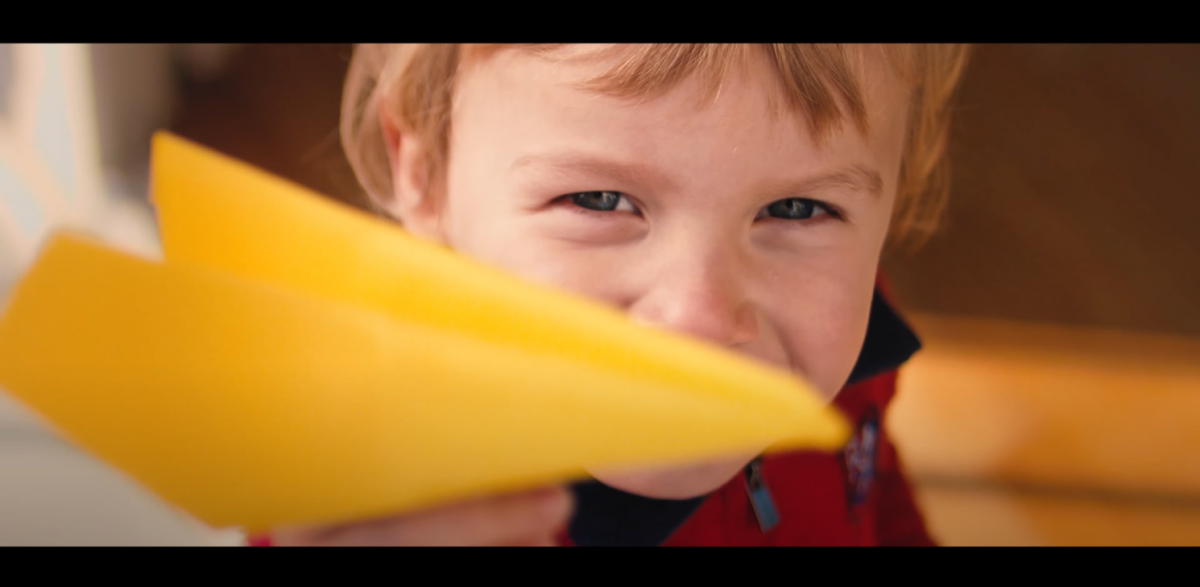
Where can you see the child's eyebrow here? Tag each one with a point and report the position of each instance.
(852, 178)
(630, 172)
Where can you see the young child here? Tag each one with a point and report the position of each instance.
(738, 194)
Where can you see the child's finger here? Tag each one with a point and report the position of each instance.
(515, 519)
(525, 518)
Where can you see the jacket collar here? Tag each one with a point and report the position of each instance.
(889, 342)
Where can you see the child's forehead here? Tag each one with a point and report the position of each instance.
(822, 85)
(552, 134)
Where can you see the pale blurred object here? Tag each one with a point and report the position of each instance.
(59, 168)
(134, 93)
(6, 77)
(1026, 433)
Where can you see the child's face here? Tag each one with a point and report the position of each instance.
(720, 221)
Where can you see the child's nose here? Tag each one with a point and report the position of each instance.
(701, 301)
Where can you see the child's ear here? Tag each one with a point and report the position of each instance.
(411, 201)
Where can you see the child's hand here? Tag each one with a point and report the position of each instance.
(523, 519)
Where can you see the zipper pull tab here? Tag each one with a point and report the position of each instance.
(760, 497)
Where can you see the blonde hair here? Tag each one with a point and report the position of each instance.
(414, 84)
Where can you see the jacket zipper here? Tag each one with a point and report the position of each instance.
(760, 497)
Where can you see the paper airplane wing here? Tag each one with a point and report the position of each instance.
(274, 231)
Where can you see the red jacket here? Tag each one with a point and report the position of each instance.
(814, 495)
(855, 497)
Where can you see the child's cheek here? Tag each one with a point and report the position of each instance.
(520, 247)
(823, 345)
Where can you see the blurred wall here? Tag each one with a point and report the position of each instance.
(1075, 199)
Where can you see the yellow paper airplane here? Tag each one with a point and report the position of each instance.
(294, 361)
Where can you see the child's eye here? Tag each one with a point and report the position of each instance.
(796, 209)
(603, 201)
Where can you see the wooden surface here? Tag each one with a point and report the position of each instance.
(1081, 409)
(988, 516)
(1027, 433)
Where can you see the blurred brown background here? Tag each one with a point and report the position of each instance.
(1056, 401)
(1075, 196)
